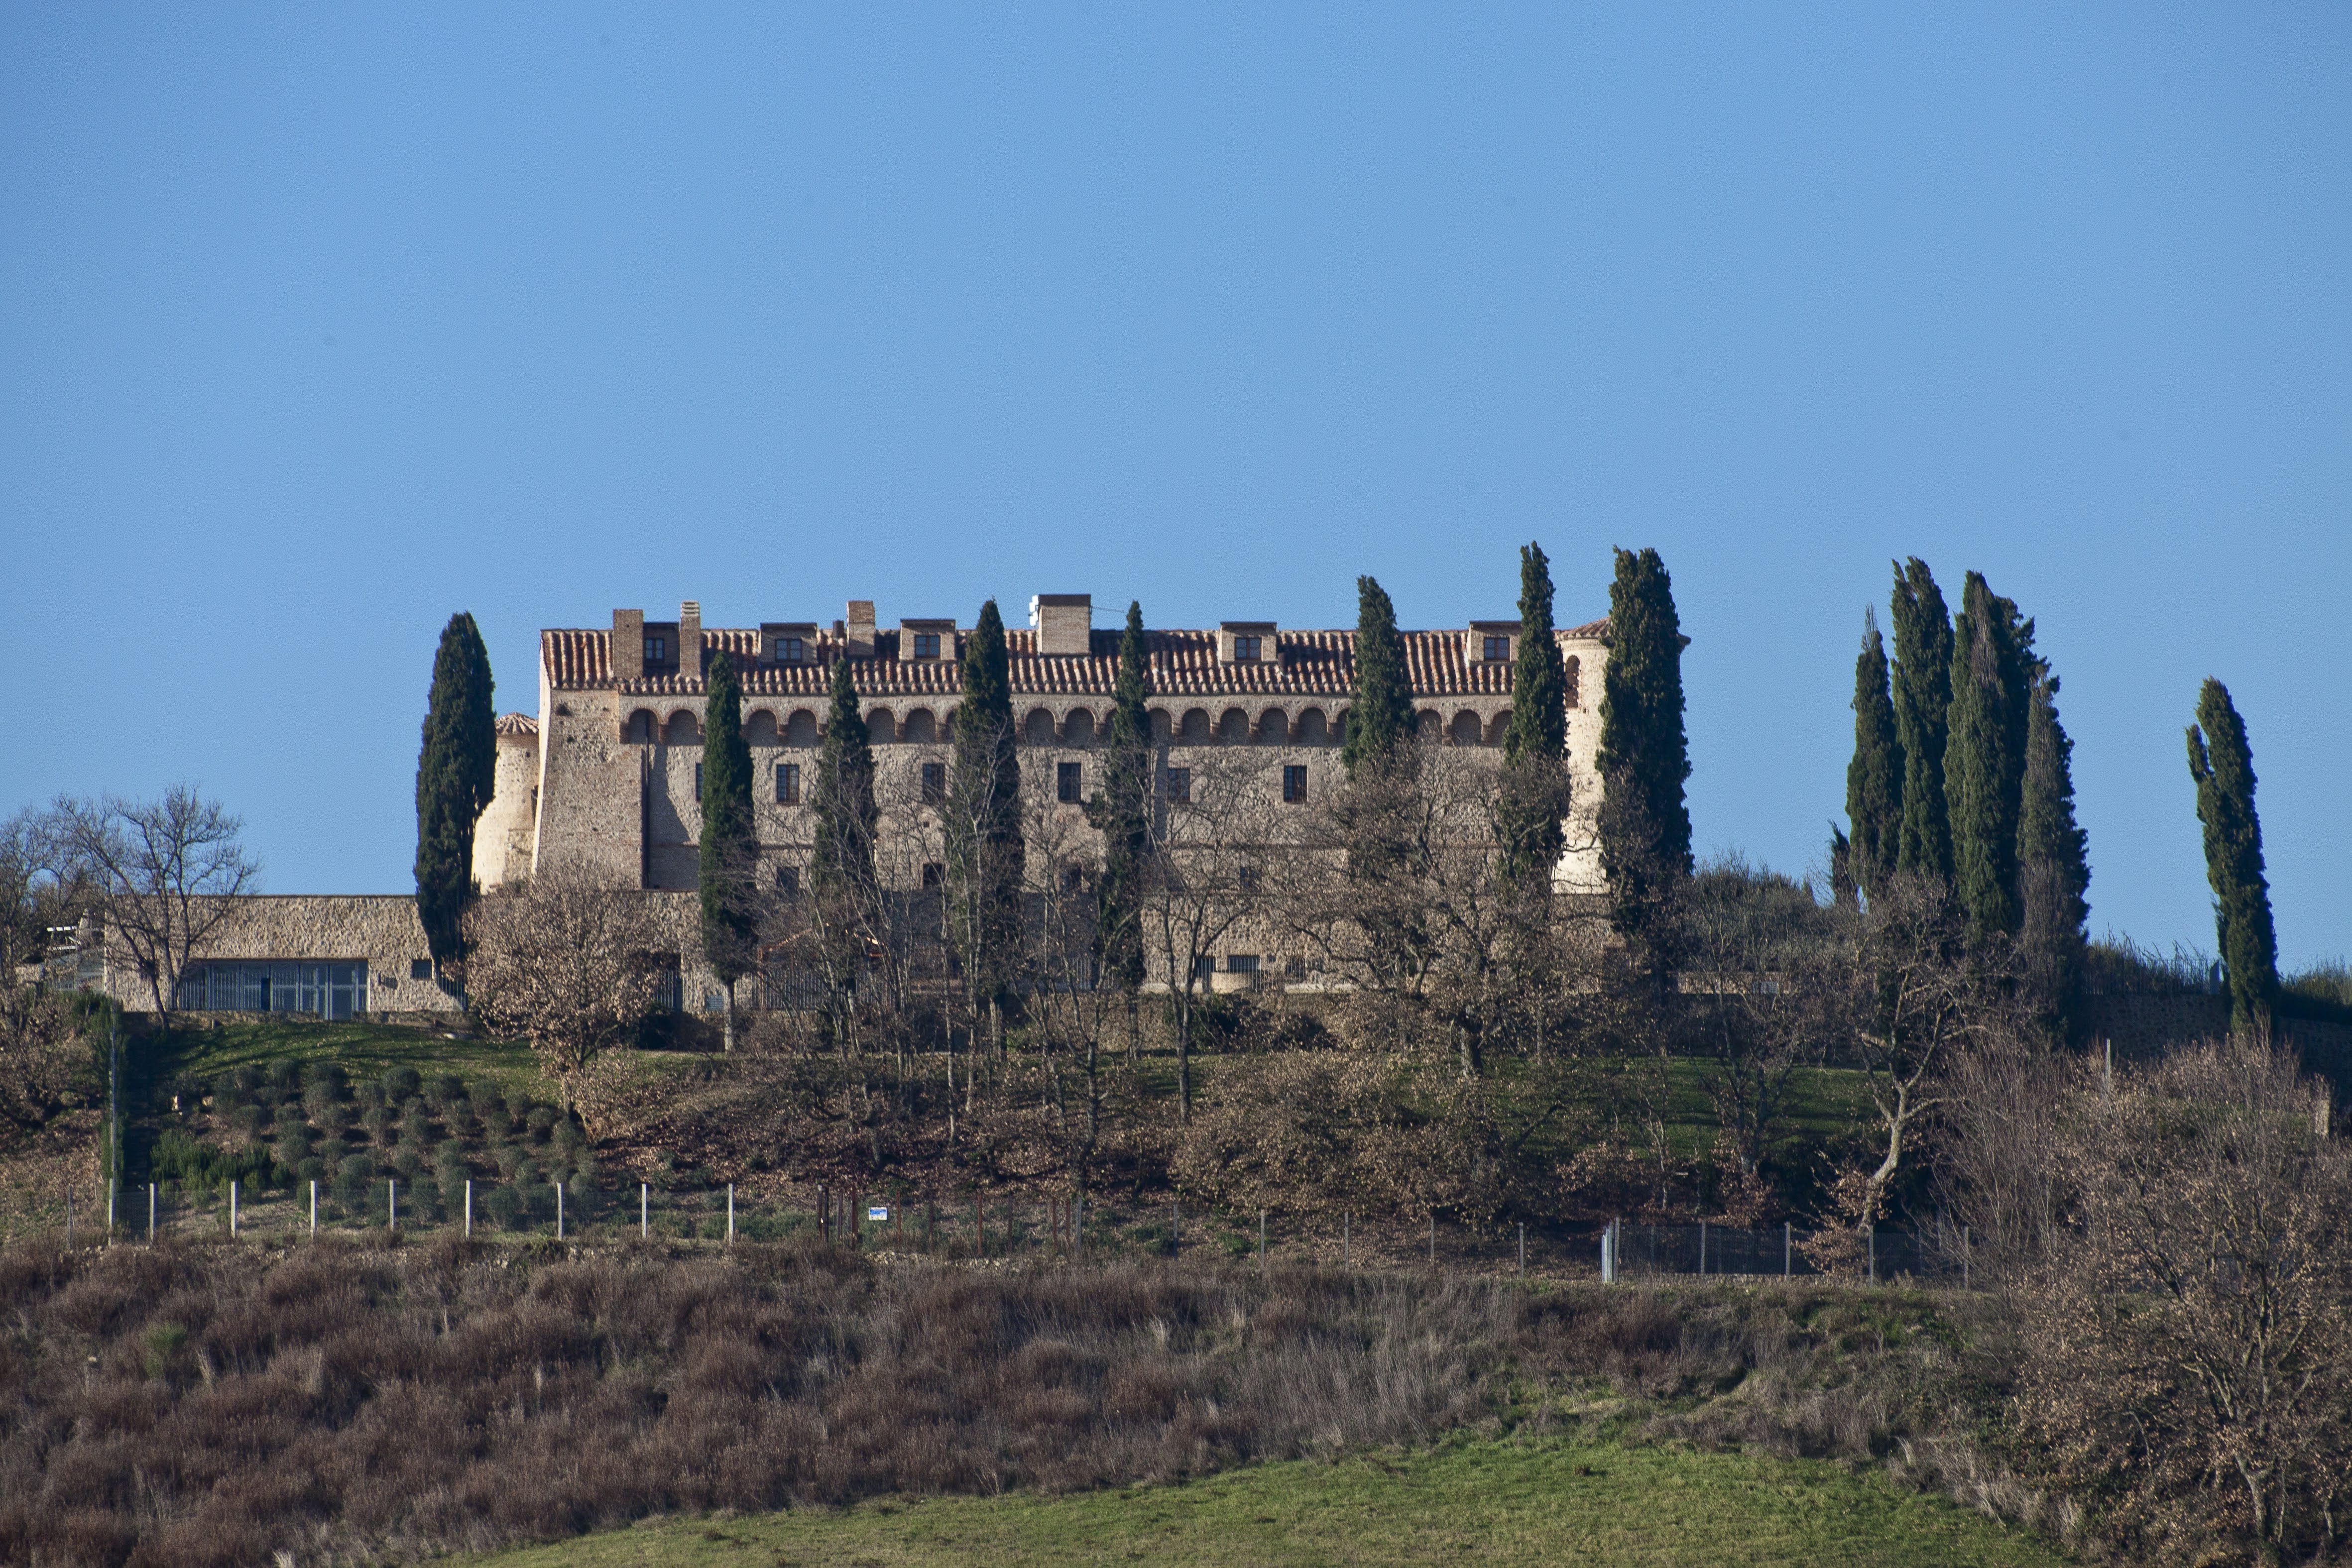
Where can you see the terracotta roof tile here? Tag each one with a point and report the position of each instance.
(1184, 663)
(517, 724)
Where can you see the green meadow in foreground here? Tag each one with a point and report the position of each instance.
(1493, 1503)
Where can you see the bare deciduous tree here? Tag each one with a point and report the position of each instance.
(2190, 1342)
(568, 963)
(167, 874)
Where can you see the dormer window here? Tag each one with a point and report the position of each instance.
(1246, 649)
(656, 650)
(1499, 650)
(786, 651)
(926, 644)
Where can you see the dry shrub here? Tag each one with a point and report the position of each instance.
(216, 1404)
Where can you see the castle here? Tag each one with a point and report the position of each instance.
(608, 773)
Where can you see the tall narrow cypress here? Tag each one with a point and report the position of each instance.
(1644, 758)
(1122, 809)
(1873, 780)
(2053, 865)
(1984, 758)
(985, 854)
(1533, 800)
(1380, 716)
(456, 768)
(730, 840)
(841, 797)
(2222, 765)
(1923, 701)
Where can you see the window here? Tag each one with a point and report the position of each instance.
(1180, 785)
(1294, 784)
(926, 644)
(697, 780)
(787, 651)
(1246, 649)
(420, 968)
(935, 874)
(935, 783)
(656, 650)
(328, 991)
(788, 783)
(1067, 783)
(1247, 875)
(1240, 963)
(1293, 967)
(1204, 967)
(788, 881)
(1499, 650)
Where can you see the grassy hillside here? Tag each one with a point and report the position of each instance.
(1497, 1503)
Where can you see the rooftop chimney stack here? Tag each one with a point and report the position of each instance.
(861, 629)
(1064, 623)
(628, 644)
(690, 639)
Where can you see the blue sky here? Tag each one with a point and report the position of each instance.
(319, 323)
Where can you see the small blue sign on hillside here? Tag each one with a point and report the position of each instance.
(879, 1212)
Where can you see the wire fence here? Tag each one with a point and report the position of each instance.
(968, 1226)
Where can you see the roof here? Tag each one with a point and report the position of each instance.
(1184, 663)
(518, 723)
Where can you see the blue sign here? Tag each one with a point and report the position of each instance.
(878, 1212)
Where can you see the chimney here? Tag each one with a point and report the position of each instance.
(628, 653)
(861, 629)
(690, 639)
(1064, 623)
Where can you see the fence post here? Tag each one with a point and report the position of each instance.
(731, 1214)
(469, 1204)
(1609, 1254)
(1788, 1250)
(109, 1207)
(151, 1211)
(232, 1209)
(314, 1208)
(392, 1203)
(644, 1210)
(1523, 1245)
(558, 1211)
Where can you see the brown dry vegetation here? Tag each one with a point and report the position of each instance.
(211, 1404)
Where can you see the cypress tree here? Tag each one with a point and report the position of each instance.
(1923, 701)
(1873, 780)
(1984, 758)
(456, 768)
(1121, 810)
(1381, 716)
(841, 798)
(2053, 865)
(985, 854)
(1533, 802)
(2222, 765)
(730, 840)
(1642, 748)
(1644, 761)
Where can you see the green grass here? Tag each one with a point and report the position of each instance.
(362, 1049)
(1492, 1503)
